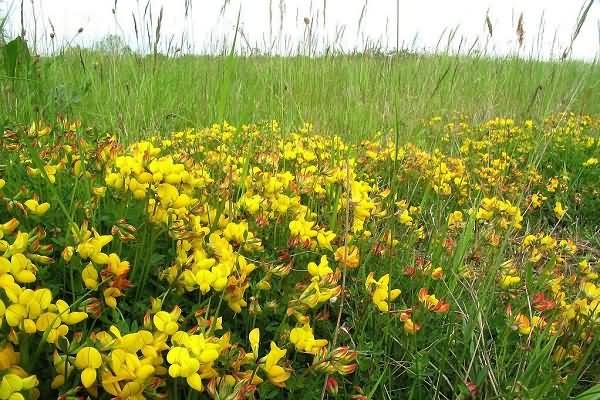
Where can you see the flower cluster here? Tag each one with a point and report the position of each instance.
(242, 262)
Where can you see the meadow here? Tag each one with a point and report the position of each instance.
(364, 226)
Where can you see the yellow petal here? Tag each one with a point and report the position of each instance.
(88, 377)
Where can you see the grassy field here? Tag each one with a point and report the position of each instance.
(361, 93)
(363, 226)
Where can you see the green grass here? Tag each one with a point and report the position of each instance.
(354, 95)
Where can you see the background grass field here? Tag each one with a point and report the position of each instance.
(353, 95)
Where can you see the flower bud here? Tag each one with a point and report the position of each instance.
(93, 307)
(331, 385)
(67, 253)
(344, 354)
(45, 260)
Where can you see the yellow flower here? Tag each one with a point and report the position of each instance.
(254, 337)
(27, 307)
(91, 247)
(251, 203)
(110, 296)
(410, 327)
(525, 326)
(455, 220)
(204, 279)
(508, 280)
(67, 253)
(167, 322)
(20, 243)
(276, 374)
(89, 275)
(21, 268)
(537, 200)
(51, 323)
(67, 316)
(405, 218)
(35, 208)
(51, 172)
(559, 211)
(324, 239)
(99, 191)
(12, 384)
(185, 366)
(167, 194)
(437, 273)
(589, 163)
(8, 356)
(302, 229)
(320, 270)
(591, 290)
(381, 294)
(89, 360)
(2, 183)
(127, 375)
(348, 256)
(304, 339)
(116, 266)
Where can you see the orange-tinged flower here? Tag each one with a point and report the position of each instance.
(411, 327)
(437, 273)
(348, 256)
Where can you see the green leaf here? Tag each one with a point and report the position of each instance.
(15, 53)
(592, 393)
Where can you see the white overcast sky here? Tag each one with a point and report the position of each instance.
(548, 24)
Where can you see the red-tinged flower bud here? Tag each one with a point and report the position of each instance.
(410, 271)
(45, 249)
(262, 220)
(332, 385)
(40, 233)
(16, 204)
(211, 388)
(148, 321)
(472, 388)
(34, 245)
(77, 337)
(293, 241)
(378, 249)
(343, 354)
(114, 230)
(346, 369)
(282, 270)
(93, 307)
